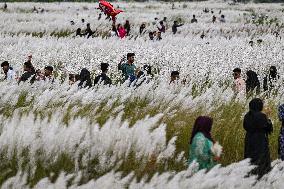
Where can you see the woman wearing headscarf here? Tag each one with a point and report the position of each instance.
(201, 143)
(270, 80)
(257, 127)
(85, 78)
(252, 82)
(281, 134)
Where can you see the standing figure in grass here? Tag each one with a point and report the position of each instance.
(103, 78)
(85, 79)
(8, 71)
(29, 72)
(174, 76)
(281, 135)
(202, 147)
(142, 28)
(270, 80)
(48, 74)
(175, 26)
(257, 127)
(162, 28)
(121, 31)
(252, 83)
(127, 27)
(239, 82)
(128, 68)
(89, 32)
(5, 6)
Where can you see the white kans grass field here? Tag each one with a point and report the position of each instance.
(59, 136)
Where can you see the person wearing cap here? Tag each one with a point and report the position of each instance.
(8, 71)
(281, 134)
(103, 78)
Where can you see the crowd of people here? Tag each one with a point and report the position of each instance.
(257, 126)
(252, 83)
(124, 30)
(256, 123)
(128, 69)
(132, 73)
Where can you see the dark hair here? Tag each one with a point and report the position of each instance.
(71, 77)
(174, 73)
(130, 55)
(194, 15)
(202, 124)
(85, 78)
(5, 63)
(78, 31)
(49, 68)
(251, 75)
(238, 70)
(256, 105)
(104, 66)
(161, 22)
(273, 72)
(29, 65)
(77, 77)
(252, 82)
(148, 69)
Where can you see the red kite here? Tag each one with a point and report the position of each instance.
(108, 9)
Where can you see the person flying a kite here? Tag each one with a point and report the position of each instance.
(108, 9)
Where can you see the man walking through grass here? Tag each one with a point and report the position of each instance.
(128, 68)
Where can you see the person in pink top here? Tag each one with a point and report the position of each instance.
(239, 82)
(121, 31)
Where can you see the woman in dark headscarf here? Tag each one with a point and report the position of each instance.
(257, 127)
(85, 79)
(252, 82)
(270, 80)
(201, 143)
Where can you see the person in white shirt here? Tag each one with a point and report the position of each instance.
(48, 73)
(239, 82)
(8, 71)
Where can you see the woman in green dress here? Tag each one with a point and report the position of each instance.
(201, 143)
